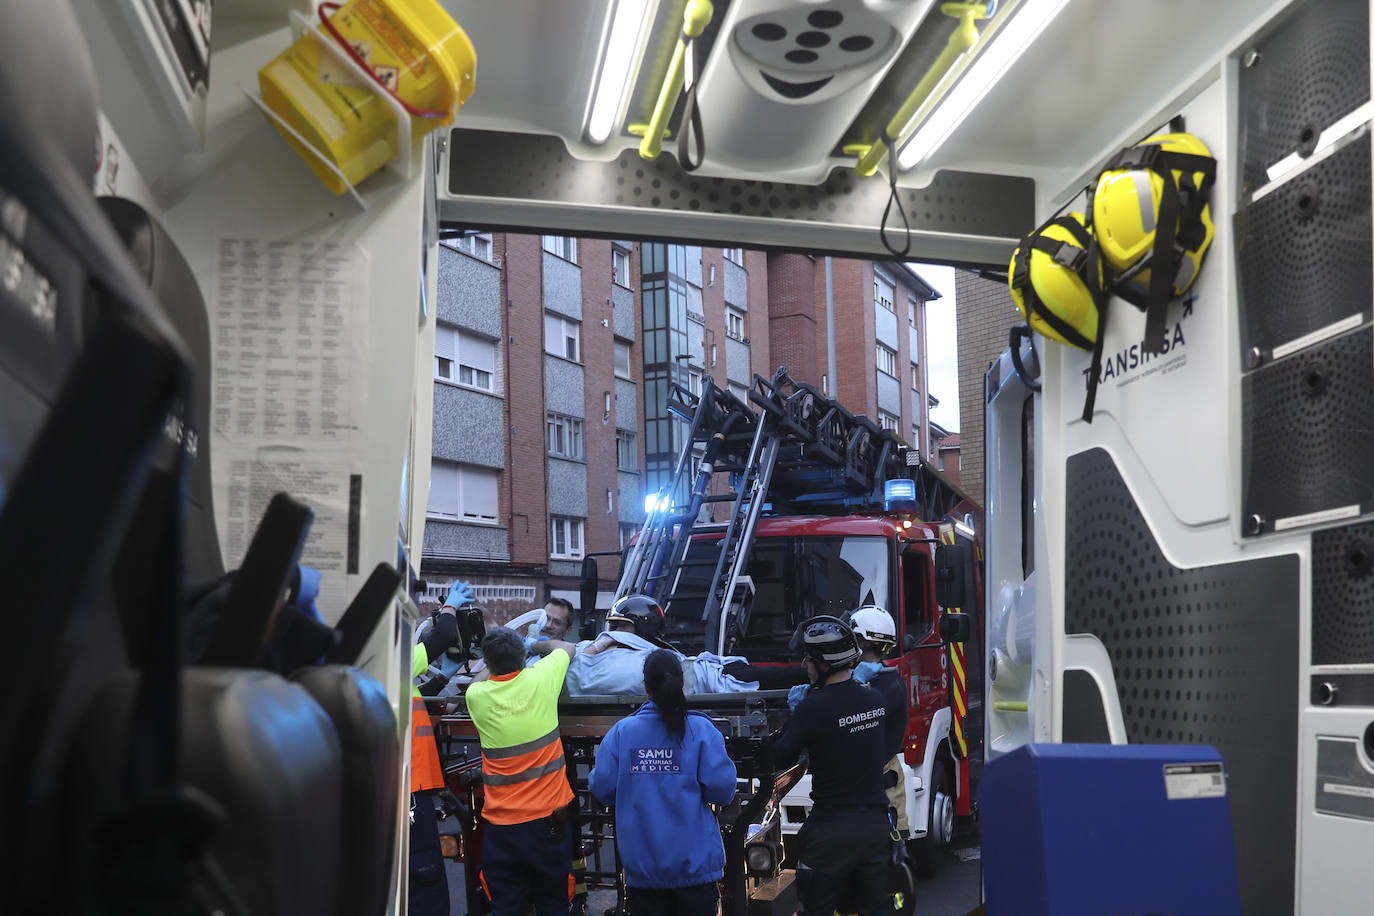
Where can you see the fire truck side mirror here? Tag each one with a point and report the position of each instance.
(908, 642)
(953, 573)
(588, 588)
(955, 628)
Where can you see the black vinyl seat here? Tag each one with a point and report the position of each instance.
(370, 748)
(264, 755)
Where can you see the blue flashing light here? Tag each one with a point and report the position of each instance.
(654, 501)
(899, 496)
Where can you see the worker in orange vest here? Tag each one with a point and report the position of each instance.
(527, 841)
(428, 880)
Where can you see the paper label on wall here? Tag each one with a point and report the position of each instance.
(290, 332)
(1194, 780)
(329, 484)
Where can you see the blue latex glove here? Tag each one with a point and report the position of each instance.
(867, 671)
(797, 694)
(459, 595)
(529, 644)
(534, 629)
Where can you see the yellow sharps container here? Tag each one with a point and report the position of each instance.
(414, 48)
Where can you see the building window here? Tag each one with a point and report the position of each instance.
(461, 492)
(479, 245)
(883, 291)
(734, 255)
(565, 437)
(887, 360)
(734, 323)
(915, 436)
(911, 313)
(626, 454)
(694, 380)
(464, 358)
(622, 359)
(620, 266)
(915, 378)
(562, 337)
(561, 245)
(627, 533)
(889, 420)
(566, 543)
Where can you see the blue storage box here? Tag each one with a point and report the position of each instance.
(1108, 830)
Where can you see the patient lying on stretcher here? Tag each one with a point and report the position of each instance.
(612, 664)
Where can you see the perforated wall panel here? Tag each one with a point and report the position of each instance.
(1309, 433)
(1343, 596)
(1304, 252)
(1204, 655)
(1312, 71)
(538, 169)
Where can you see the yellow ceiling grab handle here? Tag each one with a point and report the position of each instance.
(694, 21)
(965, 36)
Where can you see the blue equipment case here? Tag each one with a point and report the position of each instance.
(1108, 830)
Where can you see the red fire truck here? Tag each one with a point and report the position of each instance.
(822, 512)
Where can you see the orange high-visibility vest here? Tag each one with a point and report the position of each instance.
(516, 716)
(425, 770)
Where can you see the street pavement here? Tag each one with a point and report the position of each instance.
(952, 892)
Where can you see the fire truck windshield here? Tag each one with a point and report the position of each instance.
(794, 578)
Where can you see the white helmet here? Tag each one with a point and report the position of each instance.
(875, 625)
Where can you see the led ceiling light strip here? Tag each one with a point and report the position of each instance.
(1004, 42)
(623, 39)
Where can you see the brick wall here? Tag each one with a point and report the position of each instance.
(795, 316)
(985, 313)
(761, 360)
(525, 483)
(855, 341)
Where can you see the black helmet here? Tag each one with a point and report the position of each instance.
(642, 611)
(828, 641)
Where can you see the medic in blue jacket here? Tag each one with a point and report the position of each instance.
(661, 767)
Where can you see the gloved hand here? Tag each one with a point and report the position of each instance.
(529, 644)
(459, 595)
(797, 694)
(867, 671)
(535, 628)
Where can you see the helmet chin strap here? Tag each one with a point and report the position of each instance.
(833, 675)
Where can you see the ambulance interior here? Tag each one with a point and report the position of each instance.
(578, 122)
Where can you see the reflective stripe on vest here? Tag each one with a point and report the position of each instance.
(524, 781)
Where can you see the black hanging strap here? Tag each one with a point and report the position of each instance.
(893, 198)
(689, 128)
(1100, 299)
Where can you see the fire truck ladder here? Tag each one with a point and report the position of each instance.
(721, 427)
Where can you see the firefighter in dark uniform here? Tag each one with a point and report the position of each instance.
(845, 844)
(877, 637)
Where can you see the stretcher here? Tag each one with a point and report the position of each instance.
(745, 719)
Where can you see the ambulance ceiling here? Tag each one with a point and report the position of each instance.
(786, 89)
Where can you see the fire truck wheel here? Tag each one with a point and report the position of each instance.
(933, 849)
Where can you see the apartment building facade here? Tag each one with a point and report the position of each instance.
(554, 358)
(857, 330)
